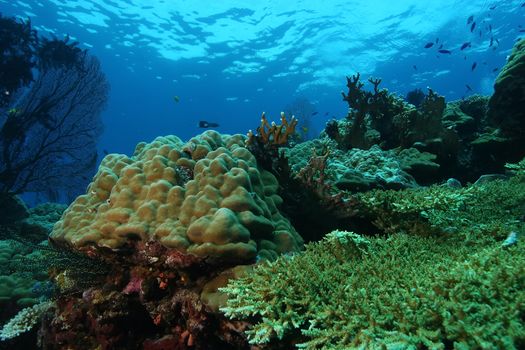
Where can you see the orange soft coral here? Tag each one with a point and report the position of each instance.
(273, 134)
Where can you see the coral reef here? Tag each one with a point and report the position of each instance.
(190, 245)
(26, 319)
(491, 208)
(176, 221)
(378, 117)
(17, 288)
(359, 170)
(273, 135)
(467, 138)
(506, 104)
(401, 292)
(188, 202)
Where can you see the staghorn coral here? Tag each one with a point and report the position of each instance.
(26, 319)
(401, 292)
(489, 209)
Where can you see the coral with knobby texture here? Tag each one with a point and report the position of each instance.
(506, 104)
(17, 289)
(37, 226)
(401, 292)
(202, 199)
(360, 170)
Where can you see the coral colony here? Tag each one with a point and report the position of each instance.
(399, 227)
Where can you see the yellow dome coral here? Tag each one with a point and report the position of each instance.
(206, 198)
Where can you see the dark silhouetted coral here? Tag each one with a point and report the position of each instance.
(506, 104)
(415, 97)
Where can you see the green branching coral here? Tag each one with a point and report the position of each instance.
(401, 292)
(519, 167)
(492, 208)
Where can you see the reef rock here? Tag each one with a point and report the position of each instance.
(506, 104)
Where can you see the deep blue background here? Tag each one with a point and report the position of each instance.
(153, 51)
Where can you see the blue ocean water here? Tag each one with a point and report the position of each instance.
(228, 61)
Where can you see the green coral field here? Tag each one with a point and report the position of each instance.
(414, 288)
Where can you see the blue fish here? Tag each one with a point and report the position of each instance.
(465, 45)
(204, 124)
(428, 45)
(447, 52)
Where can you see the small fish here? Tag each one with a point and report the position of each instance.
(468, 87)
(495, 70)
(440, 47)
(465, 45)
(447, 52)
(204, 124)
(105, 151)
(305, 129)
(472, 27)
(523, 5)
(428, 45)
(470, 19)
(437, 40)
(522, 30)
(415, 67)
(491, 41)
(176, 98)
(497, 41)
(492, 7)
(12, 111)
(474, 65)
(315, 113)
(512, 239)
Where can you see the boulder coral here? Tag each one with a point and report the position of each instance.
(204, 199)
(506, 104)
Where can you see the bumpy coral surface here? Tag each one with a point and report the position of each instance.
(506, 104)
(15, 287)
(205, 198)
